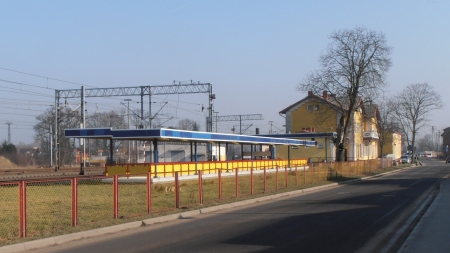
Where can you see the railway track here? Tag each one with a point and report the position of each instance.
(16, 174)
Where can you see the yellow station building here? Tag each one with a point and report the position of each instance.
(316, 118)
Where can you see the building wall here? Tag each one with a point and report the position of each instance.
(324, 150)
(445, 142)
(311, 114)
(317, 116)
(394, 146)
(172, 152)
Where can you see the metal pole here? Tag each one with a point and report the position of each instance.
(149, 107)
(155, 156)
(240, 124)
(56, 130)
(216, 120)
(129, 148)
(83, 119)
(50, 137)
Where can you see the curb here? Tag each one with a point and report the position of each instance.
(171, 217)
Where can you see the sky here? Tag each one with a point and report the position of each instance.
(253, 52)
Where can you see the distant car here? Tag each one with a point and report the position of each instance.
(405, 159)
(392, 156)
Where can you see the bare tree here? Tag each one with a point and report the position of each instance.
(188, 124)
(426, 143)
(411, 107)
(111, 119)
(46, 121)
(353, 70)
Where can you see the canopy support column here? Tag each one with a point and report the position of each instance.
(195, 158)
(155, 156)
(111, 151)
(192, 156)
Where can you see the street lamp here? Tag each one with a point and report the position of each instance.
(128, 106)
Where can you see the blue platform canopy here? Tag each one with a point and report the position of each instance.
(163, 134)
(331, 135)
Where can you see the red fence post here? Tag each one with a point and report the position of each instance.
(318, 170)
(312, 173)
(237, 182)
(149, 192)
(200, 187)
(177, 193)
(276, 178)
(116, 196)
(220, 183)
(285, 177)
(304, 174)
(74, 202)
(22, 209)
(251, 180)
(265, 179)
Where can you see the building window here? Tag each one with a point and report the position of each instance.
(309, 130)
(310, 108)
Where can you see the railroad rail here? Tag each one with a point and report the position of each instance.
(42, 173)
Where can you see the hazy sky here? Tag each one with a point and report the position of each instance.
(253, 52)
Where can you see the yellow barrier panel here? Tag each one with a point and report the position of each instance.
(112, 170)
(189, 168)
(139, 168)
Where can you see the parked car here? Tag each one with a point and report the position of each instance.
(392, 156)
(405, 159)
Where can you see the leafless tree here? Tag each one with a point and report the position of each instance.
(411, 108)
(353, 70)
(426, 143)
(188, 124)
(111, 119)
(45, 121)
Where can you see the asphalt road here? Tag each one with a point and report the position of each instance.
(373, 215)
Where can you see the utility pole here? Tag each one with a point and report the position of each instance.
(432, 137)
(270, 123)
(83, 125)
(129, 151)
(9, 131)
(438, 138)
(50, 137)
(57, 162)
(216, 120)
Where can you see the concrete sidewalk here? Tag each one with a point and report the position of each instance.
(432, 233)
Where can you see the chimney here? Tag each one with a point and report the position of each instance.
(325, 95)
(310, 93)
